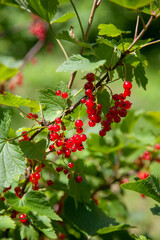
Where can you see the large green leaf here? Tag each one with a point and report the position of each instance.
(153, 117)
(149, 187)
(106, 230)
(17, 101)
(29, 233)
(103, 98)
(110, 30)
(140, 77)
(7, 72)
(77, 62)
(133, 4)
(53, 105)
(43, 224)
(45, 9)
(32, 201)
(6, 222)
(33, 150)
(130, 121)
(89, 218)
(64, 18)
(11, 158)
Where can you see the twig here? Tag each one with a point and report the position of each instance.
(32, 52)
(142, 20)
(58, 41)
(79, 20)
(73, 75)
(28, 115)
(136, 29)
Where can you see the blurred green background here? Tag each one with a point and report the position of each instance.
(16, 41)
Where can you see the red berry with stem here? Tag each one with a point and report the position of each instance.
(88, 85)
(79, 123)
(89, 103)
(79, 179)
(127, 85)
(64, 95)
(88, 92)
(102, 132)
(71, 165)
(59, 152)
(79, 130)
(90, 77)
(22, 218)
(59, 169)
(58, 92)
(92, 123)
(83, 137)
(65, 171)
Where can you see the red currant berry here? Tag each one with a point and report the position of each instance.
(88, 92)
(92, 123)
(58, 92)
(83, 137)
(14, 214)
(73, 149)
(59, 169)
(59, 152)
(22, 218)
(49, 182)
(102, 132)
(99, 106)
(56, 128)
(127, 85)
(83, 100)
(122, 112)
(59, 143)
(79, 130)
(58, 120)
(90, 77)
(64, 95)
(127, 105)
(117, 119)
(37, 176)
(89, 103)
(69, 175)
(115, 97)
(17, 189)
(51, 147)
(71, 165)
(88, 85)
(65, 171)
(79, 123)
(79, 179)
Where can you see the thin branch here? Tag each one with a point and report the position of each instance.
(150, 43)
(141, 33)
(28, 115)
(142, 20)
(59, 42)
(136, 29)
(79, 20)
(32, 52)
(94, 6)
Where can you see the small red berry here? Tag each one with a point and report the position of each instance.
(88, 85)
(22, 218)
(58, 92)
(58, 120)
(59, 169)
(90, 77)
(79, 123)
(64, 95)
(79, 179)
(127, 85)
(92, 123)
(83, 100)
(71, 165)
(88, 92)
(65, 171)
(49, 182)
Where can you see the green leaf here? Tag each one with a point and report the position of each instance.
(133, 4)
(9, 2)
(132, 60)
(79, 191)
(37, 201)
(103, 98)
(98, 144)
(43, 223)
(149, 187)
(45, 9)
(6, 222)
(34, 150)
(53, 105)
(64, 18)
(106, 41)
(149, 9)
(140, 237)
(7, 72)
(110, 30)
(65, 36)
(156, 210)
(17, 101)
(32, 201)
(87, 217)
(29, 233)
(128, 41)
(79, 63)
(153, 117)
(130, 121)
(11, 158)
(106, 230)
(140, 77)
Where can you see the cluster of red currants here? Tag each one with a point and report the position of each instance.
(31, 115)
(118, 110)
(35, 177)
(38, 28)
(17, 80)
(24, 137)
